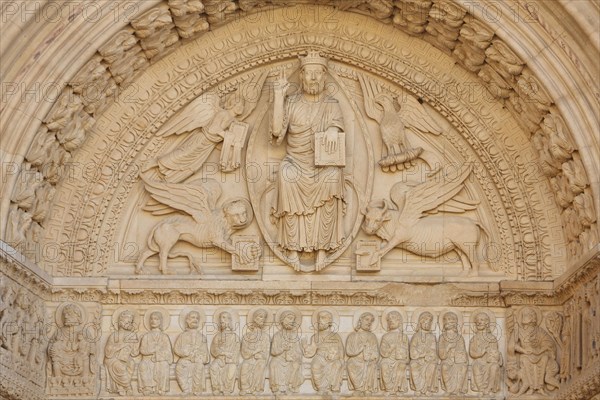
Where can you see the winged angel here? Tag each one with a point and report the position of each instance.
(202, 225)
(395, 121)
(409, 222)
(208, 120)
(169, 179)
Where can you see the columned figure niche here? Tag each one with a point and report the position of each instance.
(298, 200)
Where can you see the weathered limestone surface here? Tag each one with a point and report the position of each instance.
(230, 198)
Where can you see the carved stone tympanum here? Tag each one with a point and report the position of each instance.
(357, 161)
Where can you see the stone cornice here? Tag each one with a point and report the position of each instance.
(191, 291)
(17, 267)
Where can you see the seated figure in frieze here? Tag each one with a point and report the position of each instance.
(394, 355)
(487, 360)
(225, 350)
(157, 355)
(192, 349)
(326, 349)
(285, 368)
(122, 346)
(256, 349)
(535, 353)
(423, 357)
(362, 350)
(453, 355)
(72, 356)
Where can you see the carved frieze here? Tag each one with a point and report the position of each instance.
(23, 341)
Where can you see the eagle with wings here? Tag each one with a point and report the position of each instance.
(396, 118)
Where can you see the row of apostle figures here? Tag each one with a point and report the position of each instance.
(392, 365)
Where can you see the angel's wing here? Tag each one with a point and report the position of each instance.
(250, 92)
(197, 114)
(370, 89)
(414, 115)
(433, 194)
(194, 198)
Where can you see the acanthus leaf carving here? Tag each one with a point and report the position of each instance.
(156, 31)
(188, 17)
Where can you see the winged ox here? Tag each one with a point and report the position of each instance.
(409, 221)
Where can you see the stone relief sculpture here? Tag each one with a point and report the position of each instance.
(188, 17)
(19, 343)
(71, 355)
(285, 368)
(157, 354)
(191, 347)
(394, 352)
(309, 209)
(410, 226)
(453, 355)
(37, 348)
(169, 178)
(363, 353)
(225, 350)
(423, 357)
(534, 354)
(207, 124)
(203, 225)
(256, 349)
(487, 359)
(397, 117)
(121, 348)
(8, 314)
(326, 349)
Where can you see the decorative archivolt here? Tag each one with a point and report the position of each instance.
(123, 137)
(161, 29)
